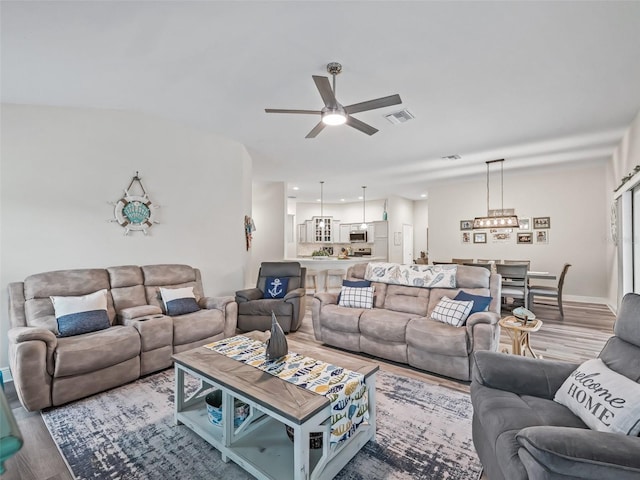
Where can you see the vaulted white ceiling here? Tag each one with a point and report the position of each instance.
(537, 83)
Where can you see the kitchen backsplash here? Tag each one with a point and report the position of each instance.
(306, 249)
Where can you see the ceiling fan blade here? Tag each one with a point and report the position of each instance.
(373, 104)
(324, 87)
(358, 125)
(281, 110)
(315, 130)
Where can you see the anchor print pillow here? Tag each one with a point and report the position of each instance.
(275, 287)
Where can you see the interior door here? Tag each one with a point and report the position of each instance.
(407, 244)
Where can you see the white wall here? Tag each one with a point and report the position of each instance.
(61, 167)
(420, 225)
(269, 215)
(575, 198)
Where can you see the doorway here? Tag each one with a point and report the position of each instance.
(407, 244)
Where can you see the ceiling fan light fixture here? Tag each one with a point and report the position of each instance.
(334, 118)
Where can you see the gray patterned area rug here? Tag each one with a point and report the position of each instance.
(424, 432)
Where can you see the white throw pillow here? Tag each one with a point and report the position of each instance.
(356, 297)
(452, 312)
(605, 400)
(83, 314)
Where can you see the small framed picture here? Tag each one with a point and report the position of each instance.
(479, 237)
(466, 224)
(524, 223)
(542, 236)
(466, 237)
(541, 222)
(525, 238)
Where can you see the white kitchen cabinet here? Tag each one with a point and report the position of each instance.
(381, 248)
(381, 230)
(345, 230)
(302, 233)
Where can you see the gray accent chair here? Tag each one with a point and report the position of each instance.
(254, 311)
(49, 370)
(520, 433)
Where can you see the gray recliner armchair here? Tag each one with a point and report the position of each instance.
(254, 310)
(519, 432)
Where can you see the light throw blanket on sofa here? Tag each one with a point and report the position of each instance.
(425, 276)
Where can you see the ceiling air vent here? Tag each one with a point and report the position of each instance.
(400, 116)
(451, 157)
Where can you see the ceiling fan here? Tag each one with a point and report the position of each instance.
(333, 112)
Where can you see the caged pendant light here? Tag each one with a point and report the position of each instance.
(496, 218)
(364, 222)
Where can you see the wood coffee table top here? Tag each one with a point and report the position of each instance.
(291, 401)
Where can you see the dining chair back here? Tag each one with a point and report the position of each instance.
(488, 266)
(514, 281)
(517, 262)
(461, 261)
(550, 291)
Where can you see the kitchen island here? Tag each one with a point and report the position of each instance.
(331, 263)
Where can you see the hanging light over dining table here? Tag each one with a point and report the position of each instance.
(496, 218)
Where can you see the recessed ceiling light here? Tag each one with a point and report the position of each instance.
(317, 199)
(423, 195)
(342, 199)
(360, 197)
(296, 188)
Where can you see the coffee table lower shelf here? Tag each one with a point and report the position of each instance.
(265, 451)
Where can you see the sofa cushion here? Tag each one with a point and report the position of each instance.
(437, 337)
(413, 300)
(605, 400)
(264, 306)
(385, 325)
(341, 319)
(179, 301)
(356, 297)
(196, 326)
(452, 312)
(93, 351)
(425, 276)
(82, 314)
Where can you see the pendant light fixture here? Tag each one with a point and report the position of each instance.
(364, 222)
(321, 223)
(496, 218)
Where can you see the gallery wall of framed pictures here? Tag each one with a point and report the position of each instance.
(530, 231)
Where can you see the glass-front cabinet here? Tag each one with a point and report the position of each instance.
(322, 229)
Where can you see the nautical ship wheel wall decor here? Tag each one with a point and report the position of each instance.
(135, 212)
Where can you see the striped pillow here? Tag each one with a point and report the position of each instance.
(452, 312)
(179, 301)
(77, 315)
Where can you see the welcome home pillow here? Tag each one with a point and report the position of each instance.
(452, 312)
(275, 287)
(356, 297)
(603, 399)
(179, 301)
(84, 314)
(480, 303)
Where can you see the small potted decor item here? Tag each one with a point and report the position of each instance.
(276, 345)
(319, 254)
(214, 409)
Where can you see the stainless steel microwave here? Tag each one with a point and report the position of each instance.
(358, 236)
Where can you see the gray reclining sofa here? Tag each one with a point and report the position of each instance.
(49, 370)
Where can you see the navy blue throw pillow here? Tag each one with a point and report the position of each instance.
(480, 303)
(354, 283)
(276, 287)
(182, 306)
(83, 322)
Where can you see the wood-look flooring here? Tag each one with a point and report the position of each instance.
(580, 336)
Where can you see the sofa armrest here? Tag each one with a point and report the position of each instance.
(327, 298)
(132, 313)
(579, 453)
(218, 303)
(31, 352)
(482, 317)
(248, 294)
(521, 375)
(295, 293)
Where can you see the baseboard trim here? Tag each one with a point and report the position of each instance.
(6, 374)
(582, 299)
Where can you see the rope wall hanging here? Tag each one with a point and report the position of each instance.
(135, 213)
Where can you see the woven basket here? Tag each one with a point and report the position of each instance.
(315, 438)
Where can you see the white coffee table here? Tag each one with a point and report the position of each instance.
(260, 445)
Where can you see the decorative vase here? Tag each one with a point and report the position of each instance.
(384, 215)
(277, 345)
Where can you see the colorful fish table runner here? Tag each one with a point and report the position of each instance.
(345, 389)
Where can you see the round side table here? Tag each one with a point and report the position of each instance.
(519, 334)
